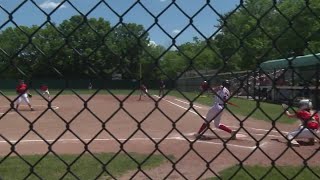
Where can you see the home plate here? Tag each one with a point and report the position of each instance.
(241, 135)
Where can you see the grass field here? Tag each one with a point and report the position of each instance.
(258, 110)
(258, 172)
(86, 167)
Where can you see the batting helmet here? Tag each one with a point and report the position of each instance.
(305, 104)
(204, 85)
(226, 84)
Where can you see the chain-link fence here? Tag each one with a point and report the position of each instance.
(114, 89)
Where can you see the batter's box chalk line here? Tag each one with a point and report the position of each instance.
(131, 139)
(239, 135)
(53, 107)
(227, 144)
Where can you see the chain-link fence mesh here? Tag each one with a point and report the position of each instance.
(98, 55)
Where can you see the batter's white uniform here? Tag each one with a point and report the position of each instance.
(215, 111)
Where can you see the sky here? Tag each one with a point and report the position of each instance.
(173, 21)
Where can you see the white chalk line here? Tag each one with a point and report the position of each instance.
(185, 102)
(265, 130)
(178, 105)
(179, 138)
(7, 113)
(53, 107)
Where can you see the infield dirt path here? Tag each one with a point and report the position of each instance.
(63, 126)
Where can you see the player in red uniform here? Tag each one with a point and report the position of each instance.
(143, 91)
(309, 123)
(22, 91)
(45, 91)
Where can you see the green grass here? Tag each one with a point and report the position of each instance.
(258, 172)
(87, 167)
(247, 107)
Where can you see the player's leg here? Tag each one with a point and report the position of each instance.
(18, 102)
(307, 134)
(221, 126)
(217, 119)
(294, 134)
(141, 93)
(301, 132)
(43, 93)
(26, 100)
(48, 94)
(205, 125)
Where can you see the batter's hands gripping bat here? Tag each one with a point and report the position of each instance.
(29, 95)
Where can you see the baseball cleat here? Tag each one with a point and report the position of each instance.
(199, 136)
(233, 135)
(293, 143)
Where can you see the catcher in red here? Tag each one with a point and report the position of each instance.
(215, 112)
(22, 91)
(309, 123)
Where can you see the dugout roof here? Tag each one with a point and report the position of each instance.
(300, 61)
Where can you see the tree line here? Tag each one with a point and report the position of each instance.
(89, 47)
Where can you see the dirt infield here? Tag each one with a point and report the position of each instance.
(105, 119)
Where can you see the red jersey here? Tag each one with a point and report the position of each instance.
(21, 88)
(43, 87)
(309, 119)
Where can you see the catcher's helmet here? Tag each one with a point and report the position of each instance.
(305, 104)
(226, 84)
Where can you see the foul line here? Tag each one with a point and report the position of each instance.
(185, 102)
(178, 105)
(133, 139)
(265, 130)
(53, 107)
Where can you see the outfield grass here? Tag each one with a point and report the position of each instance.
(258, 172)
(247, 107)
(87, 167)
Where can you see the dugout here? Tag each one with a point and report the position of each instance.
(298, 77)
